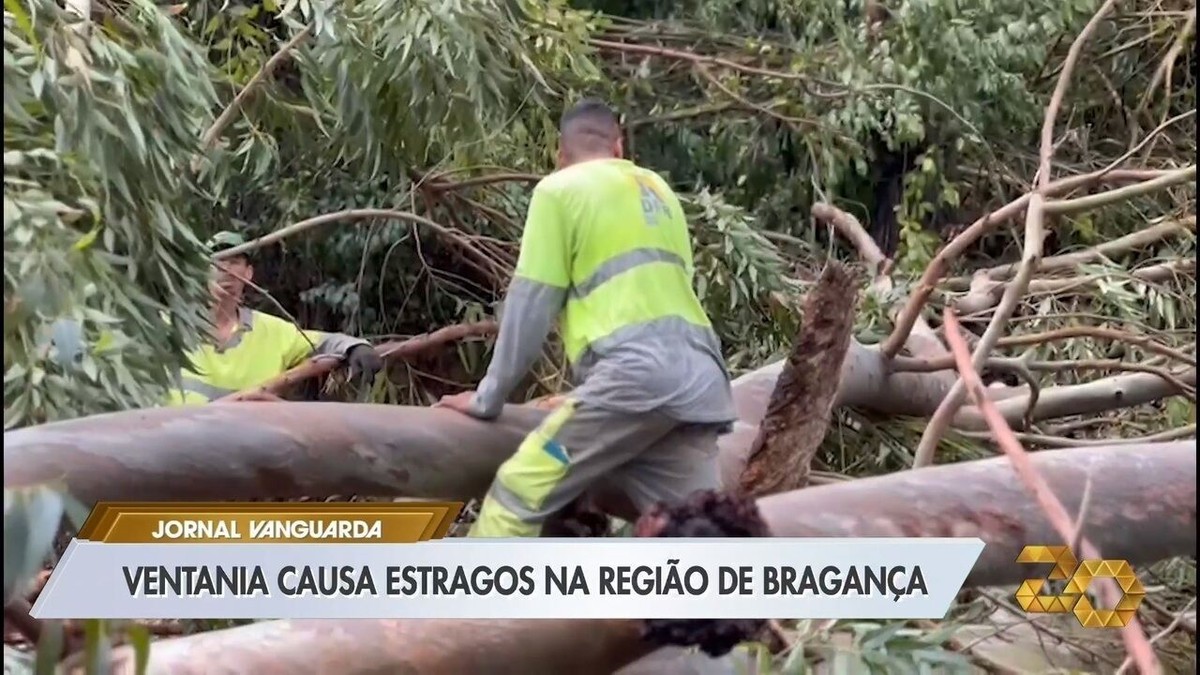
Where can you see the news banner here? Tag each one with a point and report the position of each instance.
(385, 560)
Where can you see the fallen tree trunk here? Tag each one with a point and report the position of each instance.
(1141, 506)
(868, 383)
(421, 647)
(252, 450)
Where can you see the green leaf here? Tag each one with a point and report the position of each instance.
(877, 638)
(49, 647)
(847, 663)
(139, 638)
(97, 647)
(22, 20)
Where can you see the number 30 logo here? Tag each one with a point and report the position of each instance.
(1079, 576)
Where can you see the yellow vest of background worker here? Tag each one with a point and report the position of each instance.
(257, 347)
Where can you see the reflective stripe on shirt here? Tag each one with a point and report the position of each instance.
(623, 263)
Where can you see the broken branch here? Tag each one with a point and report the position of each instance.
(921, 339)
(209, 139)
(1107, 249)
(798, 414)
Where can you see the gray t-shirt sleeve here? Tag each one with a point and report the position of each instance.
(336, 344)
(530, 309)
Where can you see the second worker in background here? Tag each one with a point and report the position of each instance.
(247, 348)
(607, 251)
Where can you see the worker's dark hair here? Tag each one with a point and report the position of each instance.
(589, 126)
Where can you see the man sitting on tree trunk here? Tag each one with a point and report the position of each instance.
(607, 247)
(248, 348)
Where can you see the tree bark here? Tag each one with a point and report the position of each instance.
(285, 450)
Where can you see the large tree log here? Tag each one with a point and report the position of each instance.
(259, 449)
(868, 383)
(423, 647)
(249, 450)
(1141, 506)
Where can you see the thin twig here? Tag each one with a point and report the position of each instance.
(1178, 621)
(794, 122)
(451, 234)
(209, 139)
(1146, 342)
(1051, 441)
(1148, 138)
(1024, 367)
(1106, 249)
(1085, 501)
(441, 185)
(648, 50)
(1164, 66)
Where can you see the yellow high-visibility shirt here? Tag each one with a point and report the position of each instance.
(262, 348)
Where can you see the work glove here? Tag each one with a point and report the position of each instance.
(364, 364)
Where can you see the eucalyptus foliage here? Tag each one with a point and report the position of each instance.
(378, 105)
(100, 123)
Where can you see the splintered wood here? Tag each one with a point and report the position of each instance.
(798, 414)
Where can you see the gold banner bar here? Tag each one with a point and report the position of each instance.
(268, 523)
